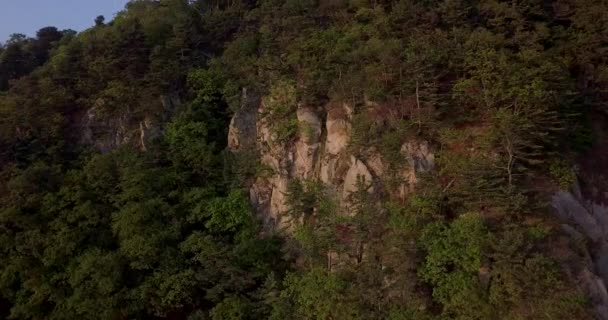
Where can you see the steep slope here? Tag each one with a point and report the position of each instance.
(290, 159)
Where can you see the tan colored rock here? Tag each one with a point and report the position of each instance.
(358, 170)
(338, 136)
(326, 171)
(278, 205)
(305, 156)
(144, 126)
(334, 169)
(268, 197)
(375, 164)
(107, 133)
(260, 194)
(484, 276)
(286, 161)
(338, 127)
(242, 130)
(271, 162)
(309, 125)
(233, 136)
(307, 146)
(264, 132)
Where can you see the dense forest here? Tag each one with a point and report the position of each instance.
(121, 196)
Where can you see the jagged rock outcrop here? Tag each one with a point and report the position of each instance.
(319, 151)
(336, 161)
(107, 132)
(104, 133)
(242, 131)
(268, 192)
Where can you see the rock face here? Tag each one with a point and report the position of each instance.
(589, 217)
(319, 152)
(336, 161)
(587, 221)
(420, 160)
(242, 131)
(108, 132)
(338, 128)
(307, 146)
(596, 290)
(104, 133)
(358, 175)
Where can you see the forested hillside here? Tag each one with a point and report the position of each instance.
(308, 159)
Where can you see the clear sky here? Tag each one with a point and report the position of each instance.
(27, 16)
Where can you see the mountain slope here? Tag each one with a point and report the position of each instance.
(284, 159)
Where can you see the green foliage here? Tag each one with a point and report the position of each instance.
(233, 308)
(496, 88)
(125, 215)
(418, 211)
(22, 55)
(316, 295)
(281, 111)
(188, 142)
(231, 214)
(562, 173)
(524, 277)
(303, 197)
(454, 255)
(364, 131)
(125, 234)
(196, 135)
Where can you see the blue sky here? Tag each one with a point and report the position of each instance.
(27, 16)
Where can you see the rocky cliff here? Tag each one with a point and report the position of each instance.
(106, 132)
(583, 212)
(320, 152)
